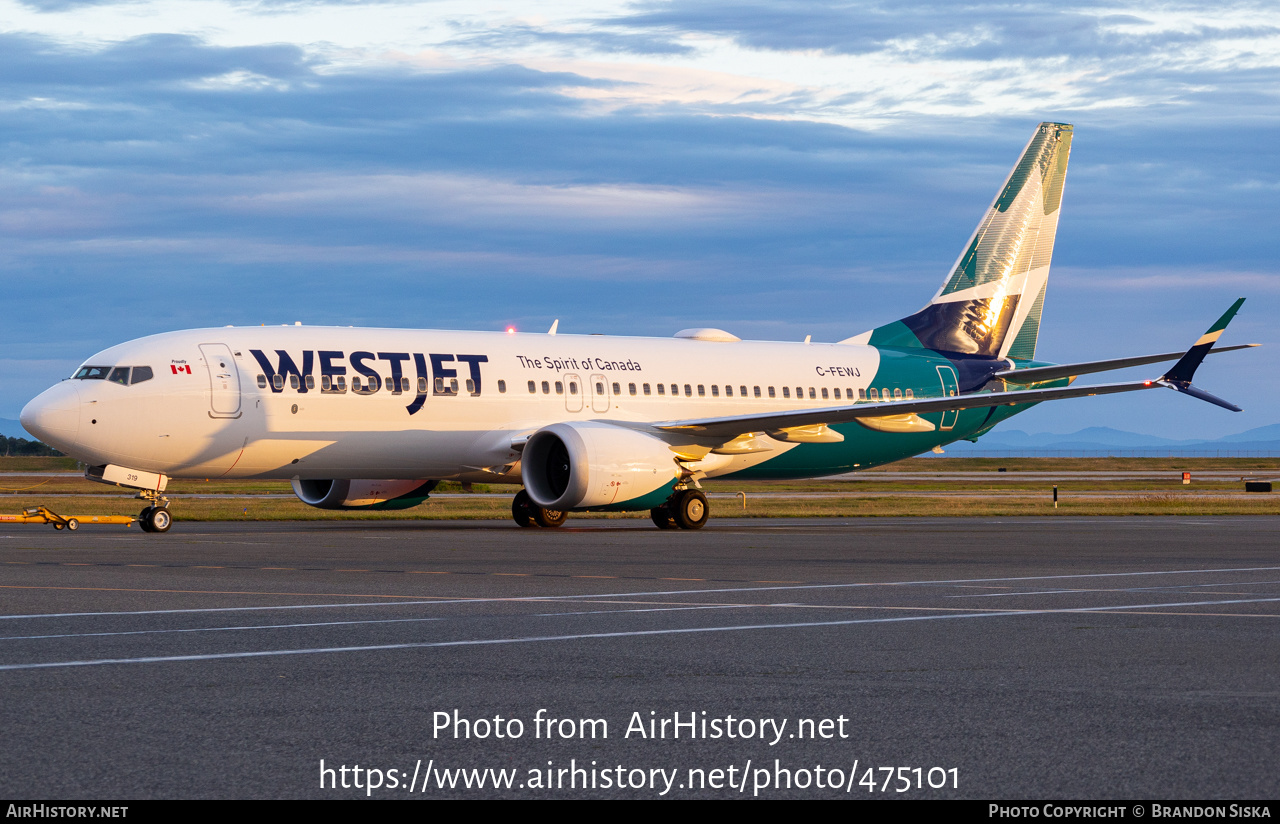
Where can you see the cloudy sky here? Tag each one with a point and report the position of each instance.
(773, 168)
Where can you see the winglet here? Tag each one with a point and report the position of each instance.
(1185, 368)
(1179, 377)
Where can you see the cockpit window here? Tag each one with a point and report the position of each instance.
(119, 375)
(141, 373)
(92, 373)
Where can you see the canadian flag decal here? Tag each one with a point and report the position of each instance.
(177, 370)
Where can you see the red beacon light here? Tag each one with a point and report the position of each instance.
(511, 330)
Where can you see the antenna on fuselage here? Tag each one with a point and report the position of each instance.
(555, 324)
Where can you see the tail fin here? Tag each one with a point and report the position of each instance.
(991, 301)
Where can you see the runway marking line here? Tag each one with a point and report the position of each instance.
(602, 635)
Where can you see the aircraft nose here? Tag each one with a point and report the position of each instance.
(53, 416)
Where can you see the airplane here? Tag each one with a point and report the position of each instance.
(364, 418)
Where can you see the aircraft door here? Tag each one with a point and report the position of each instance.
(599, 393)
(573, 390)
(950, 388)
(224, 380)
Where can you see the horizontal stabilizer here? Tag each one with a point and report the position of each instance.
(1036, 374)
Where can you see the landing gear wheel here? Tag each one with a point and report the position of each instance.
(549, 518)
(662, 517)
(689, 508)
(159, 520)
(73, 524)
(144, 520)
(57, 526)
(522, 509)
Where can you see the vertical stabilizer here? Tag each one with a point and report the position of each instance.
(991, 301)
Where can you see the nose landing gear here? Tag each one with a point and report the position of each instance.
(156, 517)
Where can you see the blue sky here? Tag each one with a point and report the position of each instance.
(777, 169)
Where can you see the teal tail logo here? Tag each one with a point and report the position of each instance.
(990, 303)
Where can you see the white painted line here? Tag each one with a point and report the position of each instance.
(215, 629)
(554, 598)
(598, 635)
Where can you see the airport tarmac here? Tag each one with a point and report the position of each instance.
(996, 658)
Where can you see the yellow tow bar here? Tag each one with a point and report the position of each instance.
(44, 515)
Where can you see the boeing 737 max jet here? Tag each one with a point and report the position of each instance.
(588, 423)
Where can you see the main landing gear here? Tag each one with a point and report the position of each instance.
(156, 517)
(687, 509)
(526, 513)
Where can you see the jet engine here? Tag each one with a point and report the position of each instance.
(359, 494)
(587, 465)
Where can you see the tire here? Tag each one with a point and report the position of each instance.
(549, 518)
(522, 509)
(144, 520)
(662, 517)
(57, 526)
(689, 508)
(73, 524)
(160, 520)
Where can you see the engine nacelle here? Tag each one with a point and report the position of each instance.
(359, 494)
(587, 465)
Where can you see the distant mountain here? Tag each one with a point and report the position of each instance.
(1103, 439)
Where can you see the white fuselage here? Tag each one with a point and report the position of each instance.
(443, 405)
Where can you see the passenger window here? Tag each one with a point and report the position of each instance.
(471, 387)
(599, 388)
(559, 387)
(532, 387)
(546, 388)
(848, 392)
(502, 387)
(825, 396)
(884, 393)
(862, 394)
(277, 381)
(799, 392)
(742, 390)
(728, 391)
(453, 386)
(404, 384)
(757, 391)
(675, 390)
(646, 389)
(702, 391)
(812, 394)
(342, 383)
(715, 391)
(262, 381)
(662, 389)
(422, 386)
(631, 387)
(293, 381)
(439, 388)
(573, 387)
(688, 391)
(120, 375)
(875, 396)
(910, 395)
(617, 390)
(326, 383)
(837, 391)
(356, 386)
(897, 394)
(311, 382)
(786, 391)
(772, 394)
